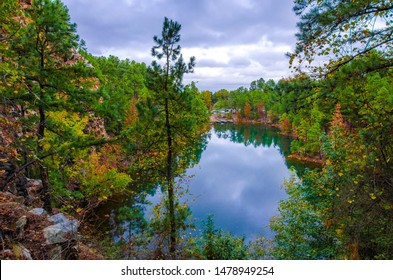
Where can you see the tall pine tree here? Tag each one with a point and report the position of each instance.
(174, 115)
(50, 78)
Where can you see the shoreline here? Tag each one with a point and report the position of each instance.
(215, 119)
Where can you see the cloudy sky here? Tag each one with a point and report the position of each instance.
(234, 41)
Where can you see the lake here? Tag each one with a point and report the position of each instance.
(239, 178)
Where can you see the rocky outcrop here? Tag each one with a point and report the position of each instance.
(63, 234)
(27, 233)
(96, 127)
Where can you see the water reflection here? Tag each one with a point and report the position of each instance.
(236, 175)
(239, 178)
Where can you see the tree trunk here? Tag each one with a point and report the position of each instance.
(46, 197)
(24, 151)
(170, 179)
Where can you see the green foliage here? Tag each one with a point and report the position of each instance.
(171, 118)
(218, 245)
(345, 116)
(348, 201)
(260, 248)
(134, 216)
(53, 92)
(122, 81)
(207, 99)
(222, 94)
(299, 230)
(358, 181)
(98, 179)
(41, 47)
(285, 123)
(11, 75)
(256, 97)
(161, 222)
(344, 30)
(111, 250)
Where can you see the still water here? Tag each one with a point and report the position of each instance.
(239, 178)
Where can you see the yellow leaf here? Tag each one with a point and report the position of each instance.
(339, 231)
(340, 174)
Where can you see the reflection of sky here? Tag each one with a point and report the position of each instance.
(240, 185)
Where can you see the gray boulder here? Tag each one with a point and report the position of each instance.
(59, 219)
(62, 231)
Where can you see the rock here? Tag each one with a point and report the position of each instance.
(63, 230)
(58, 218)
(20, 185)
(19, 199)
(33, 189)
(38, 211)
(34, 183)
(21, 252)
(33, 186)
(21, 222)
(55, 253)
(59, 233)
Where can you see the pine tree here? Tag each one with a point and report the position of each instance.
(174, 114)
(344, 30)
(49, 80)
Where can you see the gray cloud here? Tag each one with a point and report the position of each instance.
(222, 34)
(210, 63)
(239, 62)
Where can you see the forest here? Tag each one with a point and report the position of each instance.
(90, 129)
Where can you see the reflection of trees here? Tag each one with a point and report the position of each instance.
(193, 155)
(260, 136)
(125, 215)
(128, 224)
(254, 135)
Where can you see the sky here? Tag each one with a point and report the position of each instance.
(234, 42)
